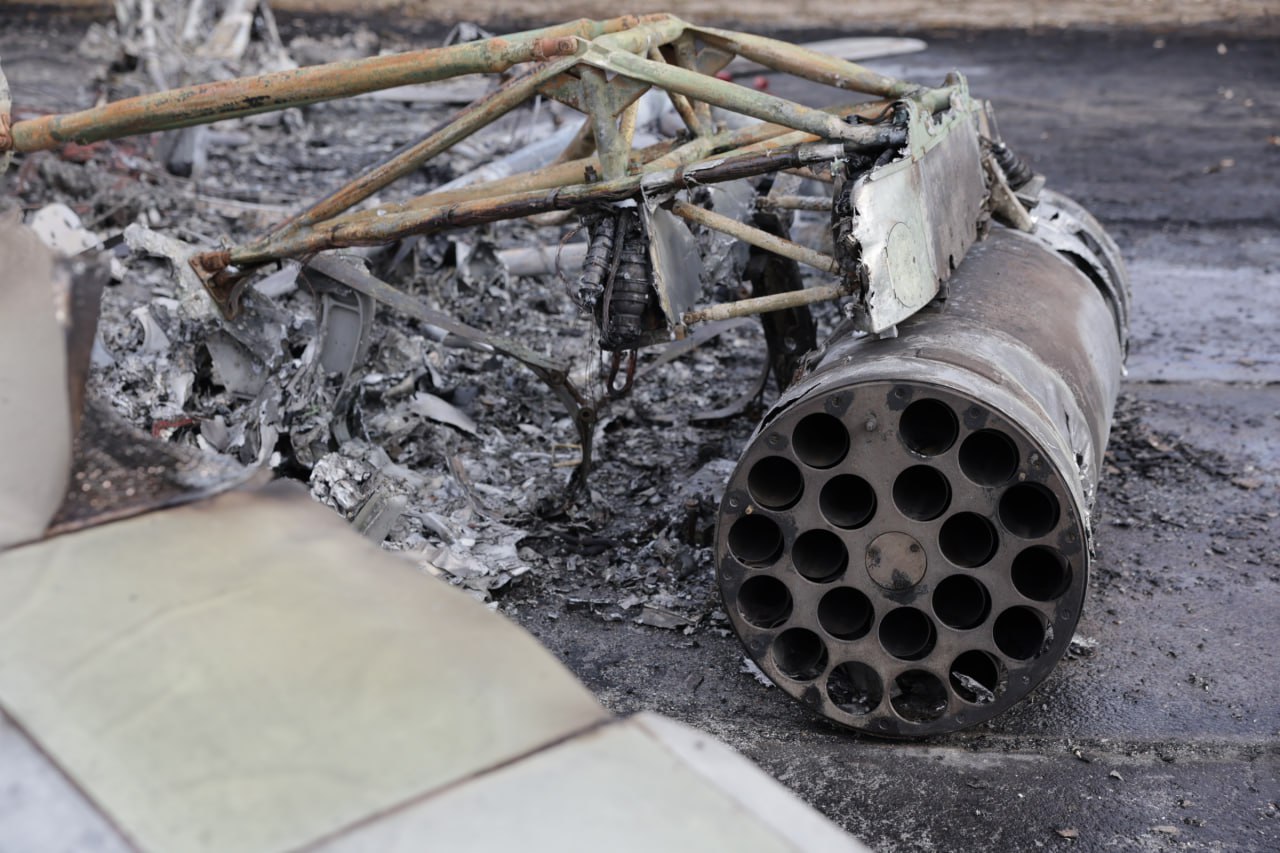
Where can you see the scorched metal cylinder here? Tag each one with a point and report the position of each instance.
(905, 543)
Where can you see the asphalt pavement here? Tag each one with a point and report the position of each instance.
(1163, 732)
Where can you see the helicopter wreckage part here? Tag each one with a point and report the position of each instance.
(905, 543)
(904, 546)
(602, 68)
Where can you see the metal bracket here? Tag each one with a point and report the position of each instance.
(914, 219)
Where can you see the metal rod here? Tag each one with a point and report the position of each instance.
(610, 145)
(808, 64)
(548, 177)
(755, 236)
(765, 304)
(208, 102)
(816, 203)
(688, 57)
(368, 228)
(464, 123)
(730, 96)
(678, 101)
(627, 130)
(582, 145)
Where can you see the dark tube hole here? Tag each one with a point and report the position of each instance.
(989, 458)
(855, 688)
(967, 539)
(977, 677)
(907, 633)
(800, 654)
(1041, 574)
(1028, 510)
(845, 613)
(961, 602)
(1019, 633)
(755, 540)
(764, 601)
(820, 440)
(921, 493)
(928, 427)
(819, 555)
(847, 501)
(775, 482)
(919, 696)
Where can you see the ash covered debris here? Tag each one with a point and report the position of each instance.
(447, 453)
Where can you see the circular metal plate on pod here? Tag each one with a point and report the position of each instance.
(901, 558)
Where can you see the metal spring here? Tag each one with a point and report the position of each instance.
(595, 266)
(1016, 171)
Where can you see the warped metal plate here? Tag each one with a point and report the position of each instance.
(677, 264)
(246, 673)
(915, 218)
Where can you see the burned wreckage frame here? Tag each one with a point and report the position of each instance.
(904, 544)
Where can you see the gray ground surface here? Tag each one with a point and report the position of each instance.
(1166, 734)
(1166, 737)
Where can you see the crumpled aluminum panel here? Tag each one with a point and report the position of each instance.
(677, 264)
(915, 218)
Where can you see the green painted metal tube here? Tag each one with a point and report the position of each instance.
(208, 102)
(463, 124)
(730, 96)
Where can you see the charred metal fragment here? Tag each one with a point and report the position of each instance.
(616, 284)
(1016, 171)
(628, 305)
(791, 332)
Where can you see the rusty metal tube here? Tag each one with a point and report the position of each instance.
(925, 566)
(811, 65)
(730, 96)
(464, 123)
(368, 228)
(765, 304)
(245, 96)
(755, 236)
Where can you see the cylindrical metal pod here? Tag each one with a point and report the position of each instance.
(904, 545)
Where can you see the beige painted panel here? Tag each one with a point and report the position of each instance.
(247, 674)
(622, 789)
(35, 413)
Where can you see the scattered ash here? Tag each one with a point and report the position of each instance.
(447, 454)
(1151, 482)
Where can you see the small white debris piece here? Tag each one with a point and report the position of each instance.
(60, 229)
(195, 303)
(660, 617)
(1081, 646)
(750, 668)
(154, 340)
(981, 694)
(433, 408)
